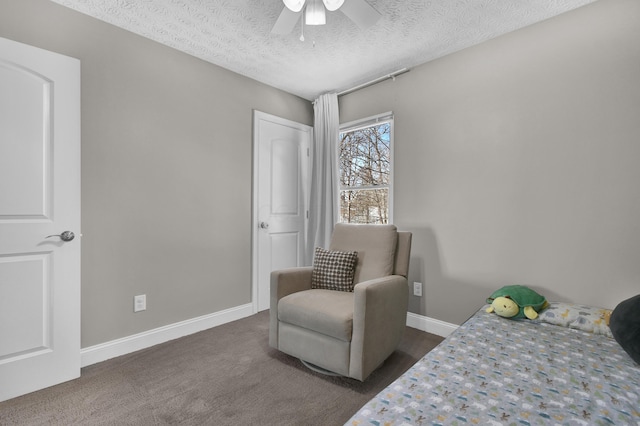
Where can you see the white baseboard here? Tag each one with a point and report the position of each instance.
(136, 342)
(430, 325)
(125, 345)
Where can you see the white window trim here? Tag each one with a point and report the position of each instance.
(386, 117)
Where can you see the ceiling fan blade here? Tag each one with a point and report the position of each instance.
(286, 21)
(360, 12)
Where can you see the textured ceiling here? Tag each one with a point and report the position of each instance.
(236, 34)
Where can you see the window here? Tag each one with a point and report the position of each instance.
(365, 167)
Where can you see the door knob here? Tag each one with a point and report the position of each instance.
(65, 236)
(264, 225)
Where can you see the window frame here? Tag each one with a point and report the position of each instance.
(375, 120)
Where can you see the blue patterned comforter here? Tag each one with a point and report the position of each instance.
(495, 371)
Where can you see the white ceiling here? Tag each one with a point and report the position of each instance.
(236, 34)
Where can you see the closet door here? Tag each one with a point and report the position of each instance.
(281, 182)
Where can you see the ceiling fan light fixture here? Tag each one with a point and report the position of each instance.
(294, 5)
(332, 5)
(314, 13)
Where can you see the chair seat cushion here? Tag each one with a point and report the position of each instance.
(328, 312)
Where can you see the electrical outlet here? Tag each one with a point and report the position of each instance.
(140, 303)
(417, 289)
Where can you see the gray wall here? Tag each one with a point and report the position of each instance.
(517, 162)
(166, 171)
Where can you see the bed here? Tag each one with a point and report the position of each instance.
(563, 368)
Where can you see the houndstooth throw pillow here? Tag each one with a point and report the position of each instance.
(333, 270)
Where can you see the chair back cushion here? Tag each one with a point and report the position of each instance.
(375, 244)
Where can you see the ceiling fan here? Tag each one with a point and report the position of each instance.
(359, 11)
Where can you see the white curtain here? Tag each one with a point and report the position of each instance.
(324, 174)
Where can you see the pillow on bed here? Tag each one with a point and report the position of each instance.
(625, 326)
(585, 318)
(333, 270)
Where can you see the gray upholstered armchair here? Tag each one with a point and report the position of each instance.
(347, 333)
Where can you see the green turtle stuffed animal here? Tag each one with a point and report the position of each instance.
(516, 301)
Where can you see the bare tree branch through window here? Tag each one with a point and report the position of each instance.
(365, 165)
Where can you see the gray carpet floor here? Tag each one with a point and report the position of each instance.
(227, 375)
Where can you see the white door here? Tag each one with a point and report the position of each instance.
(39, 197)
(281, 192)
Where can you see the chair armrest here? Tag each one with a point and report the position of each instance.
(283, 283)
(287, 281)
(379, 321)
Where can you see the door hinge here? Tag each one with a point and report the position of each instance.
(307, 152)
